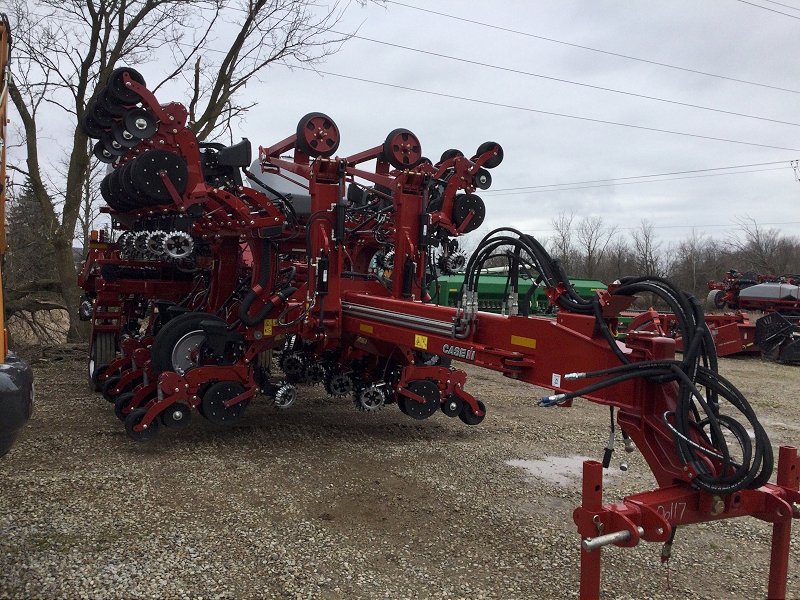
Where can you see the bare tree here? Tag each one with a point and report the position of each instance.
(761, 249)
(647, 250)
(592, 240)
(561, 244)
(65, 51)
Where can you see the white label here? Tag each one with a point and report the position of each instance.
(556, 380)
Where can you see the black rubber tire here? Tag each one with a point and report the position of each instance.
(495, 160)
(216, 395)
(104, 351)
(462, 204)
(133, 419)
(121, 403)
(391, 149)
(448, 154)
(145, 175)
(91, 127)
(469, 417)
(95, 385)
(107, 385)
(309, 123)
(116, 85)
(170, 334)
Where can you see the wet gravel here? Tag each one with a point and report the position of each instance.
(321, 501)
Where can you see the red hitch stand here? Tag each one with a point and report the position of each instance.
(652, 515)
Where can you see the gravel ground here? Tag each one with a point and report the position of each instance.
(322, 501)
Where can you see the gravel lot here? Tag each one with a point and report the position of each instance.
(322, 501)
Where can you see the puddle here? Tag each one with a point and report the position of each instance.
(561, 470)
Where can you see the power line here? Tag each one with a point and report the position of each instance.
(612, 179)
(769, 9)
(584, 187)
(607, 52)
(780, 4)
(570, 82)
(670, 227)
(546, 112)
(521, 108)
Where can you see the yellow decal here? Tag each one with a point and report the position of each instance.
(365, 328)
(518, 340)
(421, 342)
(268, 325)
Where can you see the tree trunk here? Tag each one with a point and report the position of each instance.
(70, 291)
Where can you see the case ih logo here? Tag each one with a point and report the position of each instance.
(465, 353)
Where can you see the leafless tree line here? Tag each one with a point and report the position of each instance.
(589, 248)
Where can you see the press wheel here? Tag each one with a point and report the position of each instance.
(116, 85)
(145, 435)
(317, 135)
(402, 149)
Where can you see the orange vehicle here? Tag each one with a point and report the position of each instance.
(16, 378)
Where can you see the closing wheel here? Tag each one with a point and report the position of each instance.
(214, 400)
(122, 405)
(402, 149)
(495, 160)
(176, 416)
(418, 410)
(91, 127)
(462, 205)
(317, 135)
(451, 153)
(116, 87)
(469, 417)
(110, 104)
(108, 385)
(95, 370)
(145, 435)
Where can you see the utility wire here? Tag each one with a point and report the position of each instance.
(584, 187)
(633, 228)
(607, 52)
(546, 112)
(570, 82)
(780, 4)
(769, 9)
(612, 179)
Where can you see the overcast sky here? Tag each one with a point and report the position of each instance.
(723, 37)
(506, 99)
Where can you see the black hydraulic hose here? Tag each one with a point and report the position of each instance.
(250, 297)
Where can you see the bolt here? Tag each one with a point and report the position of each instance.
(177, 415)
(177, 390)
(171, 118)
(128, 84)
(140, 123)
(144, 426)
(174, 131)
(127, 134)
(796, 508)
(717, 506)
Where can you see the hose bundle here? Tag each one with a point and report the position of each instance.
(704, 433)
